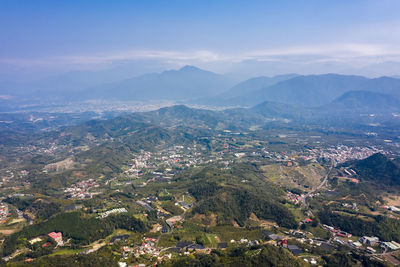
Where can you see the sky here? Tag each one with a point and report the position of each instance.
(39, 38)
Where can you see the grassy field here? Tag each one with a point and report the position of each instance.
(318, 231)
(66, 252)
(303, 177)
(227, 233)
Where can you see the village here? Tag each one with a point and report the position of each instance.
(82, 189)
(147, 169)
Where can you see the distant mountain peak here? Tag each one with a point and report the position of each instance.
(189, 82)
(190, 68)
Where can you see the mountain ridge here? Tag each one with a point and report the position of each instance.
(186, 83)
(318, 90)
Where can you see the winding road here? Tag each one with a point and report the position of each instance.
(304, 197)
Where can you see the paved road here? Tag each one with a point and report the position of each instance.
(325, 179)
(304, 197)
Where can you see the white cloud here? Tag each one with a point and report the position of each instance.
(352, 53)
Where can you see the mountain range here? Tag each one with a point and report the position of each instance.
(364, 101)
(318, 90)
(327, 92)
(254, 84)
(186, 83)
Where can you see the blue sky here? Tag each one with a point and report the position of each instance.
(224, 36)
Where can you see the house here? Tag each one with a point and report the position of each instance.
(369, 240)
(391, 245)
(188, 206)
(339, 241)
(283, 243)
(254, 243)
(35, 240)
(72, 207)
(118, 238)
(46, 244)
(56, 237)
(343, 234)
(171, 221)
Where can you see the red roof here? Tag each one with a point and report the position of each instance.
(308, 220)
(55, 235)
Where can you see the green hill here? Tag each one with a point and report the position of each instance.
(378, 168)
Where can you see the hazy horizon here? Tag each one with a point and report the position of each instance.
(47, 38)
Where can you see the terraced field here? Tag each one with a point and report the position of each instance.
(302, 177)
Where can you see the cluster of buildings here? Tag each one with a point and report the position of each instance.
(374, 241)
(173, 220)
(390, 245)
(81, 189)
(294, 198)
(352, 206)
(335, 231)
(366, 243)
(391, 208)
(113, 211)
(347, 174)
(145, 163)
(56, 236)
(3, 212)
(148, 247)
(6, 179)
(140, 162)
(184, 205)
(341, 153)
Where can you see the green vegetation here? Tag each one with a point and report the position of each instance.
(80, 260)
(378, 168)
(171, 207)
(385, 228)
(241, 256)
(233, 167)
(41, 208)
(73, 225)
(237, 205)
(346, 259)
(235, 202)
